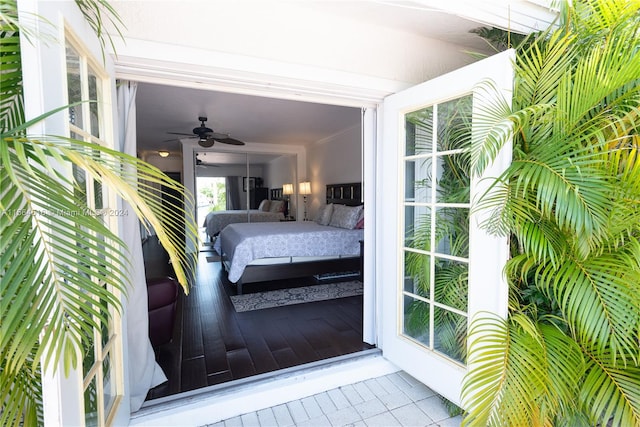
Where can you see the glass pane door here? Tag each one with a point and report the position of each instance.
(436, 224)
(440, 268)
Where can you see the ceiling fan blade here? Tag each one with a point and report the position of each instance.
(180, 133)
(217, 135)
(230, 141)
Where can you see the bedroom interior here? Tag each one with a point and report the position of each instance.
(216, 338)
(249, 179)
(212, 342)
(331, 244)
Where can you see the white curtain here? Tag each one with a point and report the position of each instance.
(144, 372)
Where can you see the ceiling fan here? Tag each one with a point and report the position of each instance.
(207, 137)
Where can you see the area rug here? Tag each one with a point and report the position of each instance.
(290, 296)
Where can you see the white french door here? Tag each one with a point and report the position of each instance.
(63, 64)
(438, 267)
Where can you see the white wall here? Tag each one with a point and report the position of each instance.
(289, 32)
(173, 163)
(333, 161)
(283, 171)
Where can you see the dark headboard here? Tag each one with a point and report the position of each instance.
(276, 194)
(345, 194)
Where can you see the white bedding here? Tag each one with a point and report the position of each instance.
(242, 244)
(217, 220)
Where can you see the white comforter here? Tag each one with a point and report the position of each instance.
(243, 243)
(217, 220)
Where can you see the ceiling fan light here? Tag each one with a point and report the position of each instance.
(206, 142)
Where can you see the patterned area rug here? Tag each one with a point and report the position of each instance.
(292, 296)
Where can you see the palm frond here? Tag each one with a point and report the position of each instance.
(522, 373)
(507, 372)
(600, 298)
(98, 13)
(56, 250)
(23, 390)
(539, 67)
(11, 108)
(609, 393)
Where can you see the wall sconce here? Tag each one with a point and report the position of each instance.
(163, 153)
(305, 189)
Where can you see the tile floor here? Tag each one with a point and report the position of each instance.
(395, 399)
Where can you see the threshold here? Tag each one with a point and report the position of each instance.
(196, 407)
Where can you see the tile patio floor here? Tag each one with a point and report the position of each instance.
(395, 399)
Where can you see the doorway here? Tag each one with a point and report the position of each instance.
(213, 344)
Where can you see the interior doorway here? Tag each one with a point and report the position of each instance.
(213, 343)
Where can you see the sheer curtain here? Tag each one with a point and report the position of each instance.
(144, 372)
(233, 192)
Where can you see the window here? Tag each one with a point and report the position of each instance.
(436, 239)
(102, 361)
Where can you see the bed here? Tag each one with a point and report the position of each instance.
(215, 221)
(255, 252)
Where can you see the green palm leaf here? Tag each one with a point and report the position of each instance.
(61, 266)
(600, 298)
(610, 393)
(522, 373)
(569, 203)
(60, 263)
(501, 355)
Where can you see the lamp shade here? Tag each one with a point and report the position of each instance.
(305, 188)
(287, 189)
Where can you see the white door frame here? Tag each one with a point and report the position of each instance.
(145, 61)
(43, 60)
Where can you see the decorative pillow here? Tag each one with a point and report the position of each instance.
(276, 206)
(360, 223)
(264, 205)
(324, 214)
(345, 216)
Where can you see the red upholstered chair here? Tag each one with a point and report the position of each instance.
(162, 294)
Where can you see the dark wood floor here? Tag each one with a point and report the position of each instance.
(213, 344)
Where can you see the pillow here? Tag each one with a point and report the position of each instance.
(276, 206)
(324, 214)
(264, 205)
(345, 216)
(360, 223)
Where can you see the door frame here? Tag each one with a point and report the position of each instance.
(145, 61)
(63, 395)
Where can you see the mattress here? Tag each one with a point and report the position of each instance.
(217, 220)
(282, 242)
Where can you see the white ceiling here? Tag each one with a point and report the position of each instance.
(163, 109)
